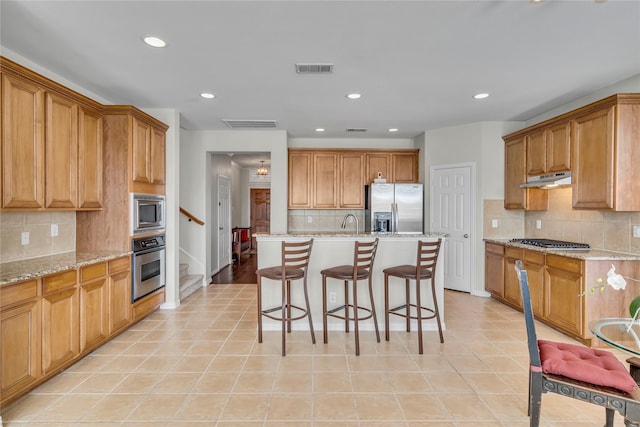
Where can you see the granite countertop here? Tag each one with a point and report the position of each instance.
(346, 234)
(591, 254)
(16, 271)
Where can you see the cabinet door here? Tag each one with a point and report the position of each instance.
(299, 180)
(534, 265)
(61, 152)
(404, 167)
(351, 181)
(93, 305)
(561, 287)
(536, 153)
(325, 180)
(119, 300)
(511, 283)
(515, 174)
(22, 144)
(20, 348)
(378, 163)
(157, 156)
(558, 145)
(60, 332)
(494, 269)
(593, 156)
(141, 145)
(90, 159)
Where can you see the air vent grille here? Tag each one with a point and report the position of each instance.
(355, 130)
(250, 124)
(314, 68)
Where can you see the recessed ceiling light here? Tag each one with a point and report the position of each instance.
(481, 96)
(319, 130)
(207, 95)
(537, 2)
(154, 41)
(393, 130)
(354, 96)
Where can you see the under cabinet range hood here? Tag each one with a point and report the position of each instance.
(548, 181)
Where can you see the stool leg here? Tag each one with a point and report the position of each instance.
(289, 306)
(259, 294)
(419, 315)
(325, 334)
(284, 315)
(373, 310)
(435, 305)
(356, 327)
(386, 307)
(346, 306)
(306, 300)
(407, 299)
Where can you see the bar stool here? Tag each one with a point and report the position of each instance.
(363, 257)
(294, 266)
(424, 269)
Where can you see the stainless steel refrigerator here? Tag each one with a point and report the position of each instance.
(394, 208)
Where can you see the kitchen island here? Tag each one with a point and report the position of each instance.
(333, 249)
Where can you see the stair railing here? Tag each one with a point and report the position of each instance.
(191, 217)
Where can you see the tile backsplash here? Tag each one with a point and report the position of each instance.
(38, 225)
(323, 220)
(601, 229)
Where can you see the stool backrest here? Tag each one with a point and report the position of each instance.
(364, 255)
(295, 255)
(532, 339)
(428, 256)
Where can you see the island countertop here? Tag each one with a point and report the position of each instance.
(15, 271)
(325, 234)
(589, 255)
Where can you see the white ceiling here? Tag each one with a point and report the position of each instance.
(417, 63)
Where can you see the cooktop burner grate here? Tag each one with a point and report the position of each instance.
(552, 244)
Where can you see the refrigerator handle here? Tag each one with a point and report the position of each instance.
(395, 218)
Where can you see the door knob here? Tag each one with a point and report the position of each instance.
(466, 236)
(220, 228)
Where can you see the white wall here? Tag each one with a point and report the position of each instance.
(197, 179)
(360, 143)
(480, 144)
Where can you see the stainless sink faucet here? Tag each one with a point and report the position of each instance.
(344, 222)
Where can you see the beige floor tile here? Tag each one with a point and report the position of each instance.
(138, 383)
(200, 407)
(255, 382)
(262, 363)
(100, 382)
(246, 407)
(158, 363)
(336, 407)
(293, 382)
(216, 383)
(227, 364)
(466, 407)
(409, 382)
(287, 407)
(124, 364)
(115, 407)
(424, 407)
(68, 408)
(327, 382)
(157, 407)
(487, 383)
(63, 382)
(177, 383)
(370, 382)
(378, 406)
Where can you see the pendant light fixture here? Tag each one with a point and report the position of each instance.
(262, 169)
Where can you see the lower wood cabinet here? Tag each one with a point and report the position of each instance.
(49, 323)
(564, 282)
(19, 338)
(494, 269)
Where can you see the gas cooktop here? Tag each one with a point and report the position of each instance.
(552, 244)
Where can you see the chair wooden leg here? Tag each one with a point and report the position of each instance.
(325, 334)
(289, 306)
(306, 300)
(284, 316)
(535, 399)
(259, 295)
(609, 417)
(435, 308)
(419, 315)
(407, 299)
(386, 307)
(356, 327)
(373, 310)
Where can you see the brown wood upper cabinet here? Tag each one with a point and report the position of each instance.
(515, 149)
(51, 144)
(549, 150)
(335, 179)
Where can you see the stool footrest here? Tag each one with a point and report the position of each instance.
(404, 306)
(266, 312)
(342, 307)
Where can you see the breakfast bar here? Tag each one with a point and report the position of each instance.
(333, 249)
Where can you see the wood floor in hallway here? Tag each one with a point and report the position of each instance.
(238, 273)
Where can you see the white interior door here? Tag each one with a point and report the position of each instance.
(451, 212)
(224, 221)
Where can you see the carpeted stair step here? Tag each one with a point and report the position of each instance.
(189, 283)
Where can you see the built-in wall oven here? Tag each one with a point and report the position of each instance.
(148, 265)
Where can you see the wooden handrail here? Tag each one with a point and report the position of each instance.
(190, 216)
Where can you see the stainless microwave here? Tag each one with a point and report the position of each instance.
(147, 213)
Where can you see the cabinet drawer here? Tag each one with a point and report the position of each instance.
(513, 252)
(59, 281)
(534, 257)
(93, 271)
(14, 293)
(120, 264)
(571, 265)
(494, 248)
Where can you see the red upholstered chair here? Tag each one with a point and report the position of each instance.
(294, 266)
(576, 371)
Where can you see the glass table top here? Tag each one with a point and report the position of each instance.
(620, 333)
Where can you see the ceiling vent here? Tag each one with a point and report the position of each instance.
(314, 68)
(251, 124)
(355, 130)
